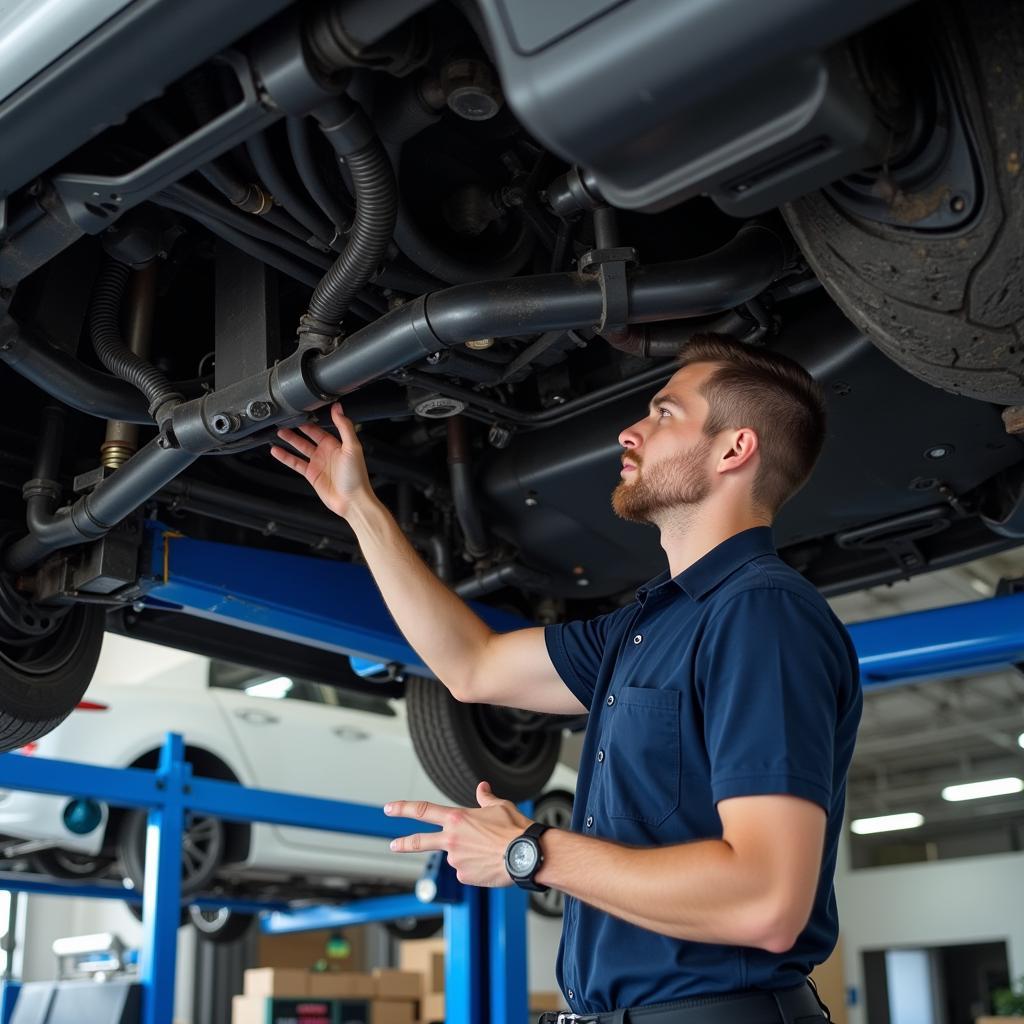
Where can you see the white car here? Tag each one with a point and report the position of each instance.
(264, 731)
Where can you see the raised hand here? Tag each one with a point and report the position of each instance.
(335, 469)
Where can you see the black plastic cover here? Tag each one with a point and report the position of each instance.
(752, 104)
(568, 471)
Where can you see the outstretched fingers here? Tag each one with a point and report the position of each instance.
(315, 432)
(297, 441)
(291, 461)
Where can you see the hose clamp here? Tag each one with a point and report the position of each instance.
(610, 267)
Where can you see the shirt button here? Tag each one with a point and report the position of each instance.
(611, 700)
(638, 638)
(600, 756)
(571, 994)
(590, 821)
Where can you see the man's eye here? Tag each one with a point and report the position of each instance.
(662, 411)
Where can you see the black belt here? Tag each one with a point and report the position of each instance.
(785, 1006)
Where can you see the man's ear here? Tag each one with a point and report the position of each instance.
(742, 444)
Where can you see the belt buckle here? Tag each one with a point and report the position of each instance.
(575, 1018)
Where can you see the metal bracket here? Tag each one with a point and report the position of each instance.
(610, 267)
(94, 201)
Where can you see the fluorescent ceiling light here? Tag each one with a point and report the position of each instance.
(1020, 740)
(977, 790)
(887, 823)
(274, 688)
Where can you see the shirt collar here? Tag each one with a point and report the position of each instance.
(709, 570)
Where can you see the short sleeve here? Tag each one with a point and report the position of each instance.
(577, 649)
(772, 666)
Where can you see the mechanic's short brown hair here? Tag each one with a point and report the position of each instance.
(776, 397)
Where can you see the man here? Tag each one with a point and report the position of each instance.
(723, 704)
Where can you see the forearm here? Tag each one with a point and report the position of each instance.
(701, 891)
(440, 626)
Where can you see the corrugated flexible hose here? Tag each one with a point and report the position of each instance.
(105, 330)
(376, 198)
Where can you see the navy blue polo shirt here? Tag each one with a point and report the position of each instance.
(733, 678)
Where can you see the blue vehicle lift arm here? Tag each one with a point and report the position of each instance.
(336, 606)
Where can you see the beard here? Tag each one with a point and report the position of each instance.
(674, 483)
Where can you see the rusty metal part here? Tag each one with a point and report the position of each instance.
(1013, 419)
(122, 439)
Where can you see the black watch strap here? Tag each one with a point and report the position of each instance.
(534, 832)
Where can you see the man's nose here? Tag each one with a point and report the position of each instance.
(631, 437)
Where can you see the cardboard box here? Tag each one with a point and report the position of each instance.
(426, 957)
(432, 1007)
(392, 984)
(392, 1012)
(305, 949)
(248, 1009)
(341, 984)
(265, 1010)
(831, 984)
(542, 1002)
(276, 981)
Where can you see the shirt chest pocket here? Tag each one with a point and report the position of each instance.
(642, 756)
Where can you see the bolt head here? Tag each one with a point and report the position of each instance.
(258, 410)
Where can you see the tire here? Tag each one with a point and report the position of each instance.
(200, 863)
(58, 863)
(460, 745)
(948, 306)
(414, 927)
(553, 809)
(45, 670)
(220, 926)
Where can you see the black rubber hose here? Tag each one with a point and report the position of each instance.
(376, 195)
(460, 472)
(62, 376)
(305, 163)
(500, 576)
(258, 148)
(113, 353)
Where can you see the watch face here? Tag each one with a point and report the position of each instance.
(522, 857)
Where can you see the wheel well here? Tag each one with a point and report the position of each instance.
(205, 765)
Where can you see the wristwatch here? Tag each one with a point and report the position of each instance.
(524, 857)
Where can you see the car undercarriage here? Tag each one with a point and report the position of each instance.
(489, 230)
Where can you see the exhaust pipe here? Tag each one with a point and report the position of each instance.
(306, 380)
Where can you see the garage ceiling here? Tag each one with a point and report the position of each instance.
(916, 739)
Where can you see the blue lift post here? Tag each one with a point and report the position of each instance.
(169, 792)
(336, 606)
